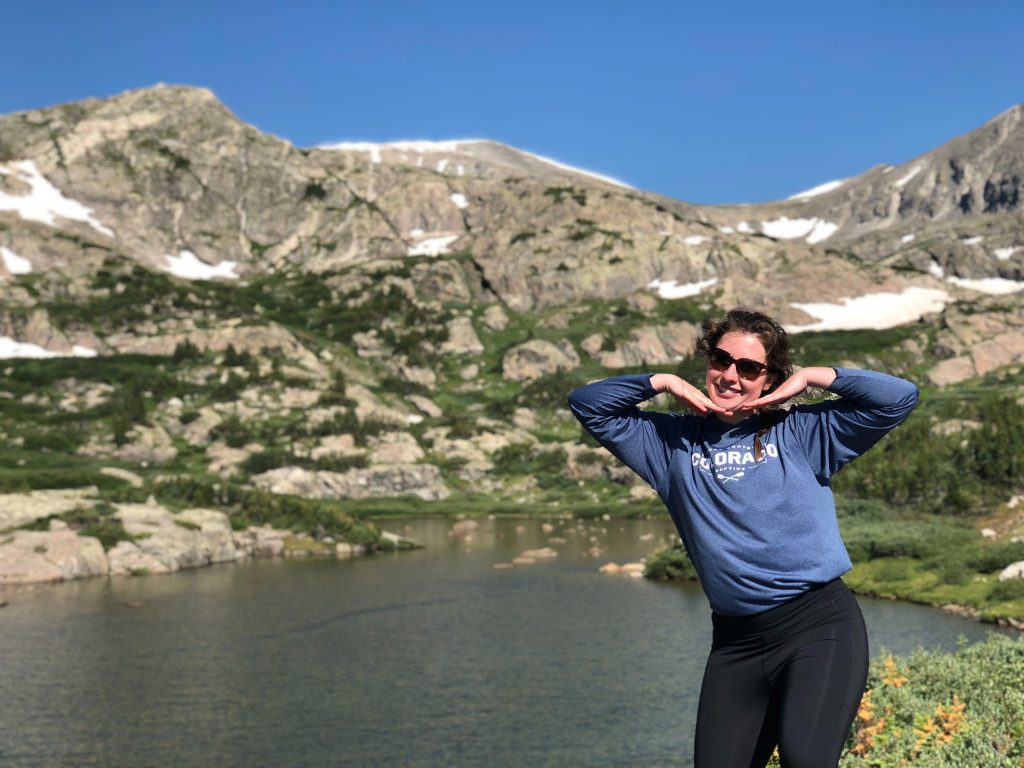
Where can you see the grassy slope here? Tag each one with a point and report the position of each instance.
(931, 487)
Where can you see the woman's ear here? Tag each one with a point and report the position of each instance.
(768, 383)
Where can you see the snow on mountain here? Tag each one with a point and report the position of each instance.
(821, 189)
(44, 202)
(456, 147)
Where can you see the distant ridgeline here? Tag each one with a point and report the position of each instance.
(195, 311)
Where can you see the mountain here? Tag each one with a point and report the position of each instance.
(387, 319)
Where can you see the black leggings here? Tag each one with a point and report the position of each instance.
(791, 676)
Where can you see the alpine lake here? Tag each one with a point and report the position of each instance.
(432, 657)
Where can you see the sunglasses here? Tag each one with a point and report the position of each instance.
(747, 369)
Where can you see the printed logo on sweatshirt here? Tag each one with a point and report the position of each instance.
(734, 463)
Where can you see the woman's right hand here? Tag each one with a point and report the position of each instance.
(685, 393)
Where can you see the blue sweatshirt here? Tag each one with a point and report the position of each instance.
(759, 532)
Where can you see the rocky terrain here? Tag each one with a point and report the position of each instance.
(202, 313)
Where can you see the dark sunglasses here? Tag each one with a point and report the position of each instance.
(747, 369)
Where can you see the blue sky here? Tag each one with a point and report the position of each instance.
(743, 101)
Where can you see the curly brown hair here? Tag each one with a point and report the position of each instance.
(778, 353)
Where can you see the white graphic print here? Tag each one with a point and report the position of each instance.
(731, 464)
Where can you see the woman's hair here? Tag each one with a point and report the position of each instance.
(778, 353)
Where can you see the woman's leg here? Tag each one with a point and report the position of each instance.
(734, 699)
(820, 688)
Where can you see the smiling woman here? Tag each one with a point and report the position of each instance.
(748, 490)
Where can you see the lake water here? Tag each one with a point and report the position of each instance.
(424, 658)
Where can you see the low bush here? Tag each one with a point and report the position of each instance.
(937, 709)
(671, 563)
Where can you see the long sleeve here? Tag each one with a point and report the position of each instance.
(641, 440)
(836, 432)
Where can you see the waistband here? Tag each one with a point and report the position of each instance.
(792, 610)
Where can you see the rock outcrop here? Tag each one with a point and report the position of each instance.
(421, 480)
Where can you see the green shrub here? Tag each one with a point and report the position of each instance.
(869, 538)
(97, 521)
(671, 563)
(233, 432)
(988, 558)
(1006, 590)
(932, 709)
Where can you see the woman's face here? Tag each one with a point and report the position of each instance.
(726, 387)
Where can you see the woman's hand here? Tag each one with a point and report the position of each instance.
(685, 393)
(793, 386)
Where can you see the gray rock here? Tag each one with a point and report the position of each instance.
(532, 359)
(462, 339)
(1012, 571)
(28, 557)
(422, 480)
(19, 508)
(166, 543)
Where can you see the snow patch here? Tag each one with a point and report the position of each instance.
(873, 310)
(695, 239)
(727, 230)
(814, 230)
(11, 348)
(44, 202)
(15, 264)
(823, 230)
(671, 289)
(460, 200)
(996, 286)
(906, 238)
(901, 182)
(433, 246)
(744, 228)
(455, 147)
(441, 165)
(573, 169)
(187, 265)
(821, 189)
(973, 240)
(936, 269)
(1005, 253)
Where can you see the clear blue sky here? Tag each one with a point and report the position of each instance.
(709, 103)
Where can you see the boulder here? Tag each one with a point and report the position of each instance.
(21, 508)
(462, 339)
(166, 542)
(335, 445)
(463, 527)
(395, 448)
(260, 541)
(1012, 571)
(426, 405)
(421, 480)
(662, 345)
(224, 460)
(28, 557)
(546, 553)
(530, 360)
(134, 480)
(954, 427)
(494, 317)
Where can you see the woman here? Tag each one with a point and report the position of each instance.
(748, 490)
